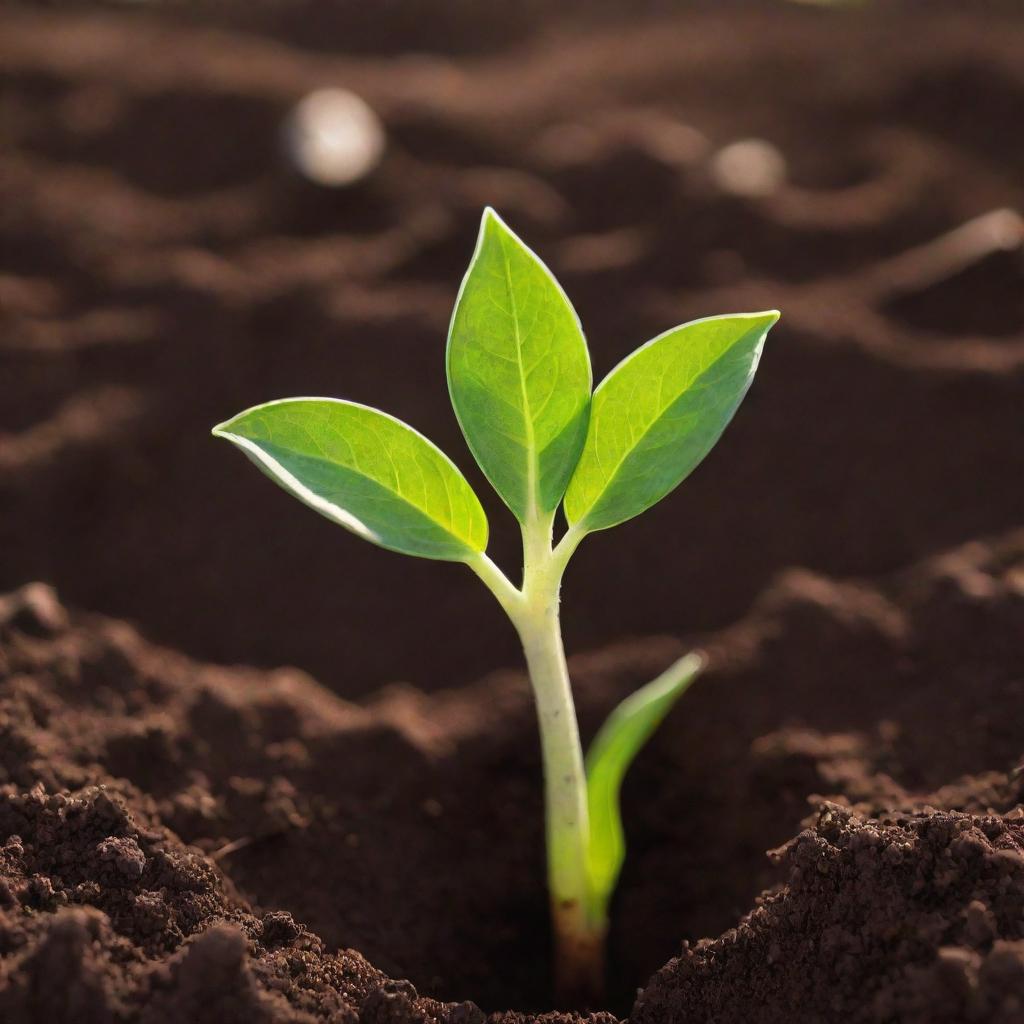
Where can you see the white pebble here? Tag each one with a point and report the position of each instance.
(749, 167)
(333, 137)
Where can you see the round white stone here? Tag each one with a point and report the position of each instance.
(333, 137)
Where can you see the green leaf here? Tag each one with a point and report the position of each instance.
(365, 470)
(659, 412)
(615, 746)
(518, 372)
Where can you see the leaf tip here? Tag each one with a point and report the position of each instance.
(491, 223)
(489, 215)
(228, 430)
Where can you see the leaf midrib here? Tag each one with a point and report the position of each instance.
(531, 442)
(650, 426)
(327, 461)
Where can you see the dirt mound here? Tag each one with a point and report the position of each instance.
(409, 827)
(106, 917)
(918, 917)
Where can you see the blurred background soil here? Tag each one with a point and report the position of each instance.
(165, 262)
(164, 267)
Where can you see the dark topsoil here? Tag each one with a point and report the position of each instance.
(185, 841)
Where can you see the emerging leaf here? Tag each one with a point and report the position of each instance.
(615, 746)
(659, 412)
(365, 470)
(518, 372)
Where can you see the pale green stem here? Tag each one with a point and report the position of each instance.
(498, 584)
(579, 939)
(565, 547)
(534, 611)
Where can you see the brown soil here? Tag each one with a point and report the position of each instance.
(180, 840)
(408, 827)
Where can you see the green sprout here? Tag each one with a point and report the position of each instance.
(520, 382)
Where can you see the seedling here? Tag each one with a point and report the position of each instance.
(520, 382)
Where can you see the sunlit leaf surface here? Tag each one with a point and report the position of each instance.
(518, 372)
(365, 470)
(659, 412)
